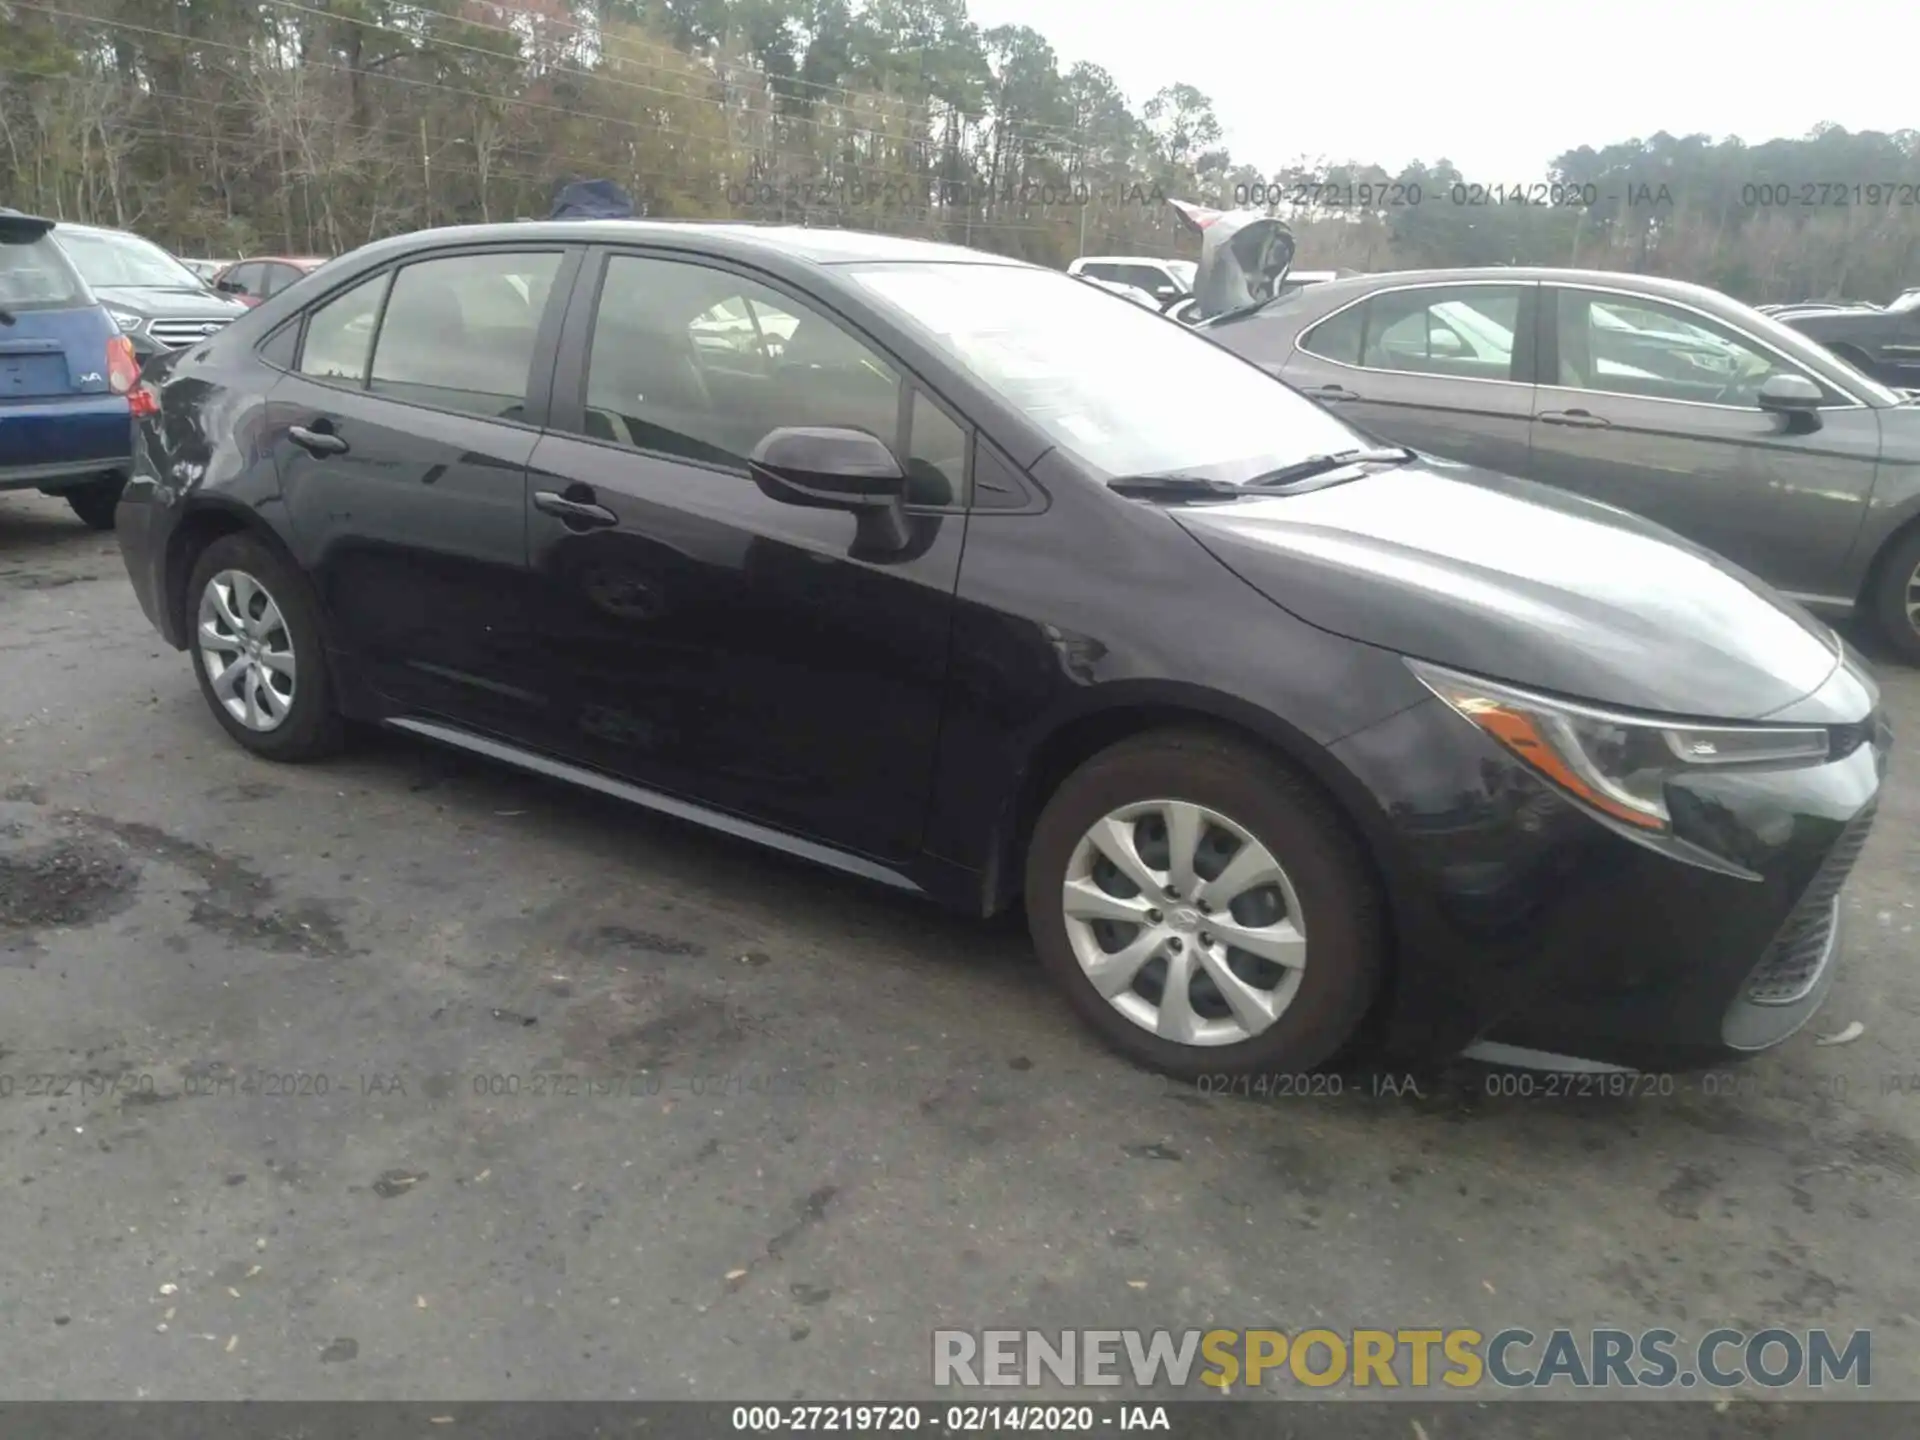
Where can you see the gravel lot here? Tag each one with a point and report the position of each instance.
(865, 1118)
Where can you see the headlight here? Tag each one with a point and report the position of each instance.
(1617, 764)
(125, 319)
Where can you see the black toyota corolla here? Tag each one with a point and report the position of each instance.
(973, 580)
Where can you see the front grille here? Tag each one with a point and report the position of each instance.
(1792, 964)
(176, 333)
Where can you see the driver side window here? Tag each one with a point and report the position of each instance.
(700, 364)
(1631, 345)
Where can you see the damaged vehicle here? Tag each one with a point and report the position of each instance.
(987, 588)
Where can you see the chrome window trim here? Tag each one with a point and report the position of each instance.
(1854, 401)
(1299, 341)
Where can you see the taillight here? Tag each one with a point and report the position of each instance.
(144, 399)
(122, 369)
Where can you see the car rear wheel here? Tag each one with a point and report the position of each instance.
(1896, 598)
(257, 650)
(95, 501)
(1204, 908)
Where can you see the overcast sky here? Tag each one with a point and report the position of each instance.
(1498, 89)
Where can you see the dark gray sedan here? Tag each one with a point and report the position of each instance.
(1659, 397)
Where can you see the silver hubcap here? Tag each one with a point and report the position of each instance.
(1913, 598)
(1184, 922)
(244, 643)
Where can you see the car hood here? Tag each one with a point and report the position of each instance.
(1244, 256)
(153, 301)
(1518, 582)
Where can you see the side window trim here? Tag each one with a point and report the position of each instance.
(1845, 400)
(567, 408)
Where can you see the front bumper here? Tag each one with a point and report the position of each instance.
(1526, 926)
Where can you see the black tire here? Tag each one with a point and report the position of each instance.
(312, 729)
(1340, 903)
(95, 501)
(1894, 576)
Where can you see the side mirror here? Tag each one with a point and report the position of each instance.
(1795, 397)
(229, 287)
(827, 467)
(1789, 393)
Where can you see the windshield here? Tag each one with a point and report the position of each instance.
(34, 275)
(109, 260)
(1121, 388)
(1185, 271)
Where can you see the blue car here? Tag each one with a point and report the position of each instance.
(66, 374)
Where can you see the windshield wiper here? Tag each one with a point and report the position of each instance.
(1316, 465)
(1181, 487)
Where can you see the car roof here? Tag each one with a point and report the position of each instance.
(1653, 286)
(74, 225)
(1127, 259)
(741, 239)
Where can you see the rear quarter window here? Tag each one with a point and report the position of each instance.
(35, 275)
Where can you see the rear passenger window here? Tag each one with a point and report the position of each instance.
(459, 333)
(340, 333)
(1337, 337)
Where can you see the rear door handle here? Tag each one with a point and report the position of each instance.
(1579, 419)
(1334, 392)
(578, 514)
(316, 442)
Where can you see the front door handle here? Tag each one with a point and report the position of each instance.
(578, 514)
(316, 442)
(1334, 392)
(1579, 419)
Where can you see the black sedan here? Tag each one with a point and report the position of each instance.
(950, 572)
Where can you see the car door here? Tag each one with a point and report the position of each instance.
(705, 639)
(1666, 422)
(402, 437)
(1446, 368)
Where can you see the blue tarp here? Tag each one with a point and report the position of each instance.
(592, 200)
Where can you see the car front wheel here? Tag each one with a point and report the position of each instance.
(1204, 908)
(257, 651)
(1896, 598)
